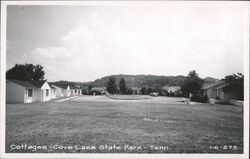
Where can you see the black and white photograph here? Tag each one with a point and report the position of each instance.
(125, 78)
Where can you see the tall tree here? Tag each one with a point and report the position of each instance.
(123, 86)
(144, 90)
(192, 84)
(111, 85)
(235, 85)
(26, 72)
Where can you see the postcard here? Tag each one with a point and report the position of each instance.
(125, 79)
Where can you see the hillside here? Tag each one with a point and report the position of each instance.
(142, 80)
(210, 80)
(152, 81)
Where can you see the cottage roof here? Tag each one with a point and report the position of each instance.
(37, 84)
(75, 87)
(63, 86)
(22, 83)
(218, 84)
(54, 86)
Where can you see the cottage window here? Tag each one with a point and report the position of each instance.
(47, 92)
(75, 91)
(29, 91)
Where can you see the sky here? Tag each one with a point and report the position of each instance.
(83, 43)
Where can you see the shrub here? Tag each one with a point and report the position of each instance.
(162, 93)
(92, 92)
(199, 98)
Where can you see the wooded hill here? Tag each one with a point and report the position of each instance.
(150, 81)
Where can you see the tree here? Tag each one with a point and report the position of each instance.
(90, 87)
(235, 85)
(122, 86)
(26, 72)
(192, 84)
(149, 90)
(143, 90)
(111, 85)
(130, 91)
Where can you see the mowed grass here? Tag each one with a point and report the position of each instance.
(98, 120)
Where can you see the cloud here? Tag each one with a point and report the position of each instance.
(99, 46)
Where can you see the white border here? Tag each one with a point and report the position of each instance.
(244, 4)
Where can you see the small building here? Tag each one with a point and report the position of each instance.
(27, 91)
(42, 90)
(52, 92)
(58, 91)
(66, 90)
(175, 90)
(215, 91)
(135, 90)
(75, 90)
(19, 92)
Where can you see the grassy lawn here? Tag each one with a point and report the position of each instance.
(153, 125)
(129, 97)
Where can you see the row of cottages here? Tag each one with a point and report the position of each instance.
(215, 91)
(36, 91)
(27, 91)
(58, 91)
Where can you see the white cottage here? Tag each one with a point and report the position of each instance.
(215, 91)
(76, 90)
(42, 89)
(57, 91)
(27, 91)
(52, 92)
(66, 90)
(19, 92)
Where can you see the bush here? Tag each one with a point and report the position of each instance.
(199, 98)
(92, 92)
(167, 94)
(149, 90)
(85, 92)
(129, 91)
(171, 94)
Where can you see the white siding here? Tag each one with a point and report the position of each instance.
(28, 99)
(53, 92)
(14, 93)
(44, 88)
(211, 93)
(73, 91)
(38, 95)
(79, 92)
(67, 92)
(59, 92)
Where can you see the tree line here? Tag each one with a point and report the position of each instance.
(191, 85)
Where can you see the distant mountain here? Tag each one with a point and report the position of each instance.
(210, 80)
(142, 80)
(150, 81)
